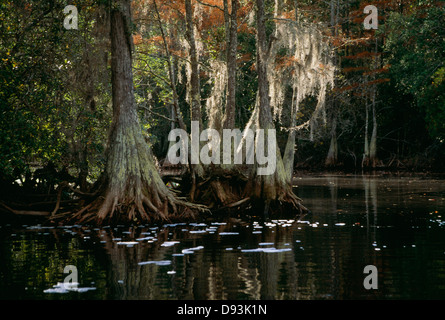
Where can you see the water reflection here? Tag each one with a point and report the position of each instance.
(392, 223)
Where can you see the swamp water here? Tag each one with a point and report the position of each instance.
(394, 223)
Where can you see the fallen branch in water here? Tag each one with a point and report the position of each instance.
(25, 212)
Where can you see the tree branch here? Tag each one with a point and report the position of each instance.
(158, 114)
(210, 5)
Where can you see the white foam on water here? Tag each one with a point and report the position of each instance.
(62, 287)
(158, 263)
(192, 250)
(198, 224)
(267, 250)
(169, 243)
(145, 238)
(127, 243)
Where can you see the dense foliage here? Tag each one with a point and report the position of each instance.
(55, 83)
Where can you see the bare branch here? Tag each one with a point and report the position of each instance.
(210, 5)
(158, 114)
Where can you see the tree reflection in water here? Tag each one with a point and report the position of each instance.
(392, 223)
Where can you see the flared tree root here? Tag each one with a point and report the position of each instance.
(137, 205)
(229, 192)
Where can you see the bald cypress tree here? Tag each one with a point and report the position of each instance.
(131, 187)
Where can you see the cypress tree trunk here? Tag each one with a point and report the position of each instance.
(222, 185)
(195, 109)
(289, 151)
(373, 142)
(232, 44)
(268, 192)
(365, 160)
(331, 158)
(197, 170)
(131, 188)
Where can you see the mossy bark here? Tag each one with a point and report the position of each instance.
(232, 186)
(131, 188)
(270, 192)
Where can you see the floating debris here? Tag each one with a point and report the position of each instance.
(169, 243)
(198, 224)
(144, 238)
(266, 250)
(129, 244)
(158, 263)
(62, 287)
(192, 250)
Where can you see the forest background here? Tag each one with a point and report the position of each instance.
(378, 100)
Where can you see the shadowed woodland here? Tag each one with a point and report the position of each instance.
(86, 112)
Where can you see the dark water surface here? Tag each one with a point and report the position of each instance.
(396, 224)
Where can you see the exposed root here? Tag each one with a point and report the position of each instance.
(230, 193)
(111, 209)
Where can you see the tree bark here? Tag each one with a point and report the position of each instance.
(268, 191)
(223, 180)
(195, 96)
(365, 160)
(171, 72)
(289, 151)
(373, 142)
(332, 156)
(132, 188)
(370, 156)
(232, 44)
